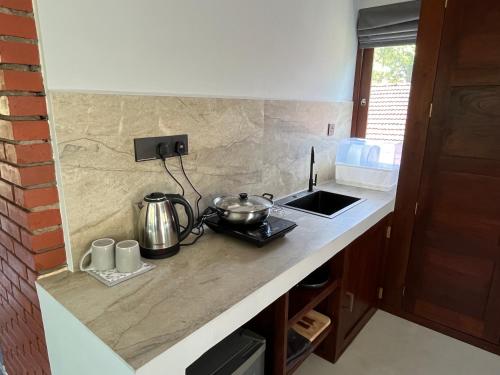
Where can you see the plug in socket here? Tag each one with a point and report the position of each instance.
(148, 148)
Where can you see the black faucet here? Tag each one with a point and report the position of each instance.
(311, 181)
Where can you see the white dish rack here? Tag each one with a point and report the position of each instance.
(368, 164)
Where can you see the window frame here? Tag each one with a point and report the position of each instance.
(361, 92)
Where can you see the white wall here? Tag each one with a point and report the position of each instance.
(374, 3)
(285, 49)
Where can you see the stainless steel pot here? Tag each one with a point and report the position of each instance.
(244, 209)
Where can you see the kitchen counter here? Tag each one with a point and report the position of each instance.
(162, 321)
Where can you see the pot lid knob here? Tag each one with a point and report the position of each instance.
(243, 196)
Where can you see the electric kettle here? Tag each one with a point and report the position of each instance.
(159, 230)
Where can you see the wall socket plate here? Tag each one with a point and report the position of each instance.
(147, 148)
(331, 130)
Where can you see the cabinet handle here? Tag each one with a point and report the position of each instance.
(351, 300)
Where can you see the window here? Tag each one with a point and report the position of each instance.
(389, 93)
(383, 81)
(387, 35)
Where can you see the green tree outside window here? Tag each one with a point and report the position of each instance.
(393, 65)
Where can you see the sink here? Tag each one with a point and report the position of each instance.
(322, 203)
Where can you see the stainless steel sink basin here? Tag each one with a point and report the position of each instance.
(321, 203)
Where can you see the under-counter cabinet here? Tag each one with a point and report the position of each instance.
(349, 299)
(360, 291)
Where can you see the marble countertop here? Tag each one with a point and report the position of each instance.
(191, 301)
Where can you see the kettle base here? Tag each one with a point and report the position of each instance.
(160, 253)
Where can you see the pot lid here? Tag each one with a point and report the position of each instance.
(243, 203)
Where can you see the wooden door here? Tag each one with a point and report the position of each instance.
(454, 269)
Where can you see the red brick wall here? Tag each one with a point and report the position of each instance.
(31, 239)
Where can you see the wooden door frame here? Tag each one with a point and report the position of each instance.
(421, 95)
(362, 84)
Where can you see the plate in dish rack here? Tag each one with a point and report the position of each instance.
(113, 277)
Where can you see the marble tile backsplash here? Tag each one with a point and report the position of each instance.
(235, 145)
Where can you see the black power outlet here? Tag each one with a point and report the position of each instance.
(149, 148)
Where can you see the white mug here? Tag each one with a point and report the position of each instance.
(102, 255)
(128, 256)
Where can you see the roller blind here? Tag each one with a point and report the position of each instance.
(388, 25)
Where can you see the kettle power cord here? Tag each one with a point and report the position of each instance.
(162, 151)
(199, 226)
(171, 175)
(191, 184)
(198, 229)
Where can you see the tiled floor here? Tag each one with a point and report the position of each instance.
(389, 345)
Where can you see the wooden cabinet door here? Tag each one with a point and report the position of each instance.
(454, 269)
(359, 292)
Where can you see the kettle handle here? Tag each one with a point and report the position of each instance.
(178, 199)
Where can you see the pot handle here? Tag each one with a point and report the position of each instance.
(221, 212)
(178, 199)
(268, 196)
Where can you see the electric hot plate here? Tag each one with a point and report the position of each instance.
(258, 234)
